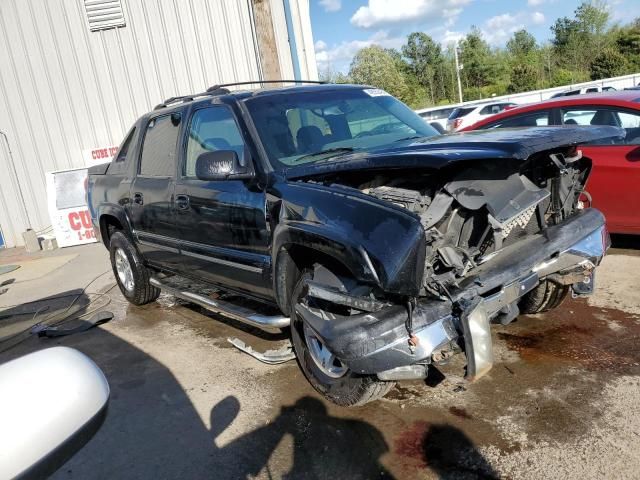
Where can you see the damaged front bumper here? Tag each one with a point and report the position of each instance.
(377, 342)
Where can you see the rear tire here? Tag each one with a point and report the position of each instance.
(544, 297)
(347, 389)
(131, 274)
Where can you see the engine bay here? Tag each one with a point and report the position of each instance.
(469, 215)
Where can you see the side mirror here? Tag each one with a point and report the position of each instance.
(52, 403)
(221, 165)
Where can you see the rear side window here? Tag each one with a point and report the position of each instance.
(158, 158)
(592, 90)
(118, 164)
(537, 119)
(437, 114)
(493, 109)
(461, 112)
(572, 92)
(124, 149)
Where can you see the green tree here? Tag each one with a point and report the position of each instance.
(627, 42)
(424, 59)
(375, 66)
(524, 77)
(608, 63)
(476, 58)
(522, 44)
(576, 40)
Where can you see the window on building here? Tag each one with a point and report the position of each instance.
(212, 129)
(104, 14)
(158, 158)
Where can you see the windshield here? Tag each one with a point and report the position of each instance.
(306, 127)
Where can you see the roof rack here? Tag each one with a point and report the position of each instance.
(221, 90)
(222, 85)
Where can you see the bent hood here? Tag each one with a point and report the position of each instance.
(438, 152)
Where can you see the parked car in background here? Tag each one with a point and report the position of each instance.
(438, 115)
(615, 179)
(466, 115)
(583, 90)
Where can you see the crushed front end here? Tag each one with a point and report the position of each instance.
(495, 230)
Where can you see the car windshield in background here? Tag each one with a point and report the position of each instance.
(306, 127)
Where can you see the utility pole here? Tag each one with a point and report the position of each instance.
(458, 68)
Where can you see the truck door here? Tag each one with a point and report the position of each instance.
(221, 224)
(151, 195)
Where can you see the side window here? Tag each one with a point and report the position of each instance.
(626, 119)
(537, 119)
(578, 116)
(592, 90)
(211, 129)
(158, 158)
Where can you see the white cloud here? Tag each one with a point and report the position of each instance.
(331, 5)
(535, 3)
(498, 29)
(450, 37)
(339, 56)
(537, 18)
(379, 13)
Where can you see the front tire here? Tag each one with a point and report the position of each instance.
(131, 274)
(327, 374)
(544, 297)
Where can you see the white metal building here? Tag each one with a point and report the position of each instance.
(74, 75)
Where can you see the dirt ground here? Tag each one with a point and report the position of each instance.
(562, 401)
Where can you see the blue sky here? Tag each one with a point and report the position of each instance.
(342, 27)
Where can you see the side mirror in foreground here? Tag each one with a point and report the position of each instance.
(51, 403)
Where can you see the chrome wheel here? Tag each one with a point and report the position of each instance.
(322, 357)
(123, 269)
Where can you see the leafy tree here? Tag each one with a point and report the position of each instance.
(375, 66)
(524, 77)
(424, 58)
(522, 44)
(628, 43)
(475, 56)
(608, 63)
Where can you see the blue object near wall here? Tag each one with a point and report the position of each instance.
(1, 240)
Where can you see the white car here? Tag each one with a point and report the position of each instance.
(583, 90)
(469, 114)
(437, 115)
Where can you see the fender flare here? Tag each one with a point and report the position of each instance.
(323, 240)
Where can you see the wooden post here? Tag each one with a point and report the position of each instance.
(266, 41)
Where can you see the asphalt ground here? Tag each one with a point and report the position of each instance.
(562, 401)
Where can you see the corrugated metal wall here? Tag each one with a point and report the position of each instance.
(65, 89)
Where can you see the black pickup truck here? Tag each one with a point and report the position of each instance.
(337, 214)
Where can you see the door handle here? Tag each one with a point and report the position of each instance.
(182, 202)
(137, 198)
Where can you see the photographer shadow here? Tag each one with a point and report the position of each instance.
(323, 446)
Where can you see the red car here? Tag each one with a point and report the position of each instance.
(614, 183)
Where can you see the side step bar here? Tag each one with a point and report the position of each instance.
(236, 312)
